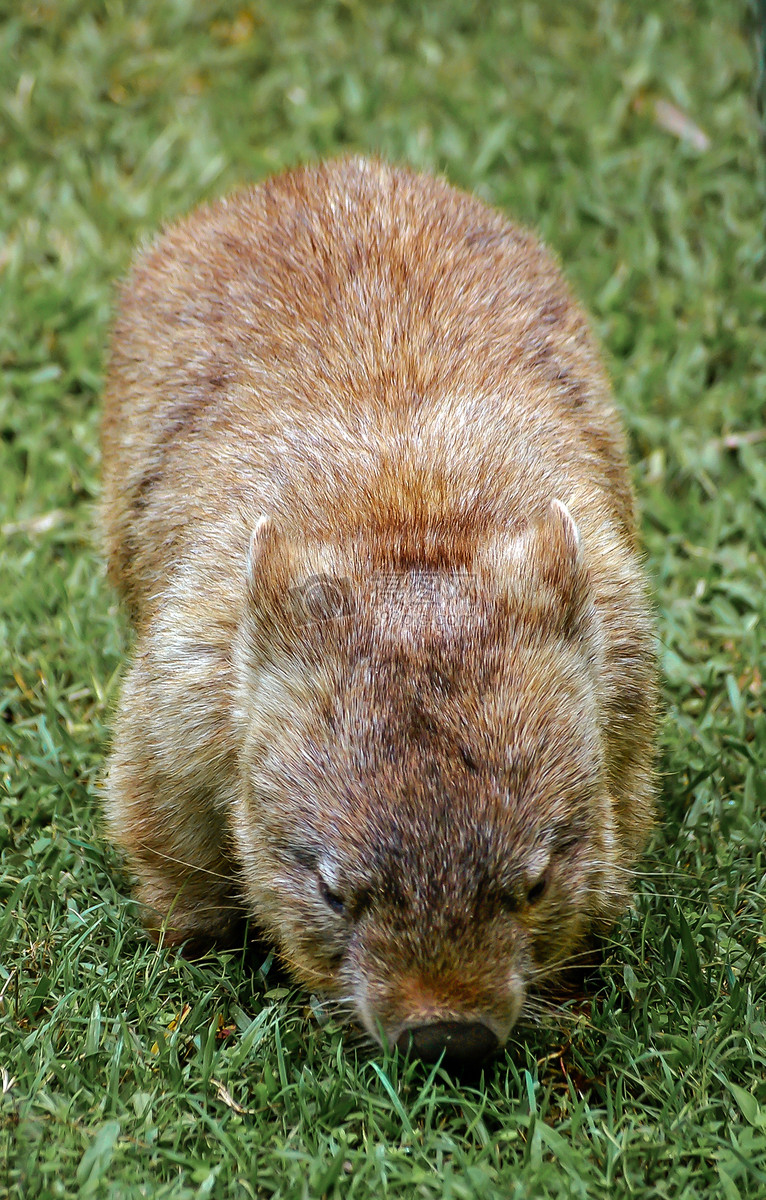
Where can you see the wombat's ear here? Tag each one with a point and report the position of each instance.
(546, 573)
(267, 583)
(267, 565)
(262, 540)
(565, 523)
(286, 602)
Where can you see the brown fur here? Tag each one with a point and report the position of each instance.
(358, 375)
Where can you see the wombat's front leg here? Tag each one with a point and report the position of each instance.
(165, 807)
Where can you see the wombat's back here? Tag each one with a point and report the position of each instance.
(316, 346)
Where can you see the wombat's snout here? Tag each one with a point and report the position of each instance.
(464, 1043)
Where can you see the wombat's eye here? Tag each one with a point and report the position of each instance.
(568, 838)
(510, 899)
(537, 889)
(469, 759)
(332, 899)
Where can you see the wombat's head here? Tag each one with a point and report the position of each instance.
(425, 820)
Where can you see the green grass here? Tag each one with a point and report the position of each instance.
(117, 116)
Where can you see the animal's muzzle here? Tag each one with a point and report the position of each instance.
(463, 1043)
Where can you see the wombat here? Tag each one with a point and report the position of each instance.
(393, 688)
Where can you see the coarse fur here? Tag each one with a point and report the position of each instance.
(393, 689)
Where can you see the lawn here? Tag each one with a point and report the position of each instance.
(627, 134)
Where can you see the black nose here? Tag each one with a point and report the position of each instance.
(462, 1042)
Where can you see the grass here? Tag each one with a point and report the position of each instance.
(129, 1072)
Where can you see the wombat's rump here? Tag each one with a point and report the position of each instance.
(393, 692)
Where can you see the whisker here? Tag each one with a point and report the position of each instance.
(634, 873)
(195, 867)
(559, 964)
(559, 1014)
